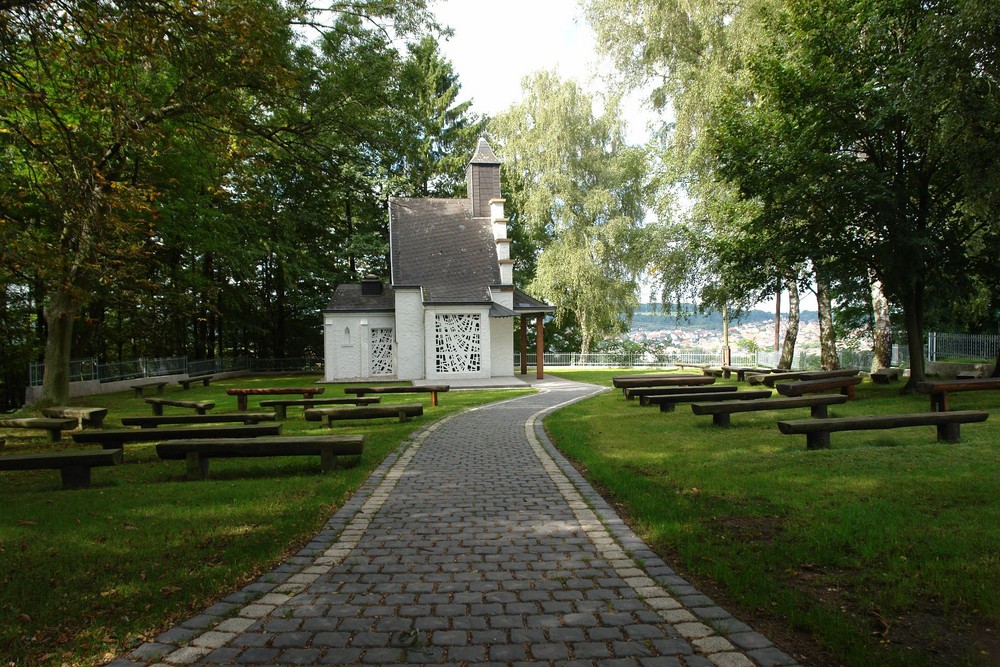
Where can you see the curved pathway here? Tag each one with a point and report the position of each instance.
(476, 542)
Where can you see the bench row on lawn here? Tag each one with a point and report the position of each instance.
(195, 445)
(721, 402)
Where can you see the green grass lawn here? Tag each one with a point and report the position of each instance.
(882, 550)
(88, 574)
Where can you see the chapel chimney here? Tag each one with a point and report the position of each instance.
(483, 179)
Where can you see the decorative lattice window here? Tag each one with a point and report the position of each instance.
(381, 351)
(457, 346)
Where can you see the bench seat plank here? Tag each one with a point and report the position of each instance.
(281, 405)
(771, 379)
(401, 410)
(215, 418)
(85, 416)
(669, 403)
(187, 382)
(432, 389)
(140, 388)
(243, 394)
(845, 384)
(817, 431)
(721, 411)
(673, 380)
(111, 438)
(200, 407)
(74, 466)
(638, 392)
(198, 452)
(54, 426)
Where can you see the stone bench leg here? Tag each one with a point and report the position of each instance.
(138, 391)
(721, 419)
(280, 412)
(157, 410)
(434, 399)
(241, 402)
(197, 466)
(55, 434)
(201, 411)
(668, 407)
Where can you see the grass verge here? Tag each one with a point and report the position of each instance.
(883, 550)
(89, 574)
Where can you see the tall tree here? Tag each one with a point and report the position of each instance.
(93, 94)
(587, 189)
(443, 131)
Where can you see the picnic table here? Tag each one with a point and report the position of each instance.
(242, 394)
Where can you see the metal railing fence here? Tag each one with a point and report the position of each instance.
(82, 370)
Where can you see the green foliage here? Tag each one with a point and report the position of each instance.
(580, 191)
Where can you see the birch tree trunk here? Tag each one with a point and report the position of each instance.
(882, 331)
(829, 360)
(792, 331)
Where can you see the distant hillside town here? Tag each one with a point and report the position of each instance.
(693, 331)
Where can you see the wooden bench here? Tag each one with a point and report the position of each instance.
(84, 416)
(197, 452)
(74, 466)
(281, 405)
(140, 388)
(178, 420)
(55, 427)
(846, 386)
(401, 410)
(432, 389)
(664, 381)
(203, 379)
(722, 410)
(939, 389)
(886, 375)
(242, 394)
(742, 371)
(648, 380)
(669, 403)
(817, 431)
(200, 407)
(775, 377)
(113, 438)
(632, 393)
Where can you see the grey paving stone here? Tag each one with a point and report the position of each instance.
(477, 555)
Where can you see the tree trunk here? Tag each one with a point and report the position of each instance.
(882, 330)
(59, 315)
(913, 317)
(792, 331)
(829, 360)
(585, 338)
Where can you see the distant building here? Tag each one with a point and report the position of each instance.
(447, 310)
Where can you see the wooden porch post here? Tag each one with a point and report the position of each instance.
(539, 347)
(524, 345)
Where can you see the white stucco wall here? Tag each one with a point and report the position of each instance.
(409, 334)
(346, 344)
(502, 352)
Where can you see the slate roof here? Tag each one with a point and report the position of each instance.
(348, 298)
(525, 303)
(437, 244)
